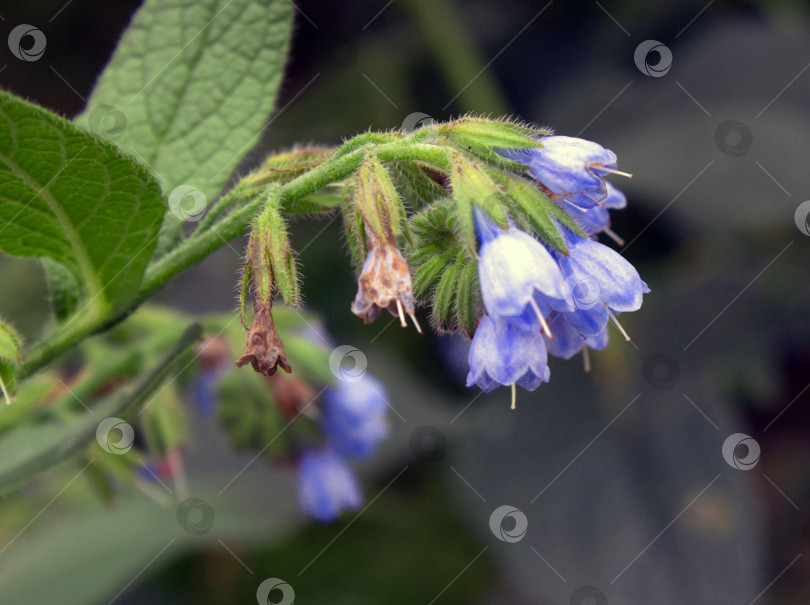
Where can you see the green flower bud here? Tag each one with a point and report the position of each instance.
(481, 136)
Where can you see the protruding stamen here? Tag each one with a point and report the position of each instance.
(618, 325)
(514, 395)
(586, 358)
(612, 235)
(402, 321)
(415, 323)
(542, 319)
(567, 201)
(619, 172)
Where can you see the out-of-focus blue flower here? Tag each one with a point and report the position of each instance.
(504, 354)
(326, 485)
(601, 282)
(571, 169)
(515, 272)
(354, 416)
(204, 390)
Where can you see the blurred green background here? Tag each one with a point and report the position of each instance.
(620, 472)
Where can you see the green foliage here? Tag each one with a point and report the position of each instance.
(76, 199)
(190, 86)
(63, 289)
(187, 93)
(31, 449)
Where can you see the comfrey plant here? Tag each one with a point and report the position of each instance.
(488, 225)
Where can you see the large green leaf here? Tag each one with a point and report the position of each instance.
(191, 85)
(71, 197)
(32, 449)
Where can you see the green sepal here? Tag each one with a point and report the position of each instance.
(269, 253)
(287, 165)
(468, 296)
(376, 199)
(533, 210)
(426, 277)
(443, 315)
(422, 189)
(244, 294)
(480, 136)
(472, 185)
(317, 203)
(355, 234)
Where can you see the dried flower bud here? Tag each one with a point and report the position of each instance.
(384, 283)
(264, 349)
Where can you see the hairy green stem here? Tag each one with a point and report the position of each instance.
(216, 234)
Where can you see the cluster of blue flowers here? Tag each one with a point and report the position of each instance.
(353, 421)
(539, 301)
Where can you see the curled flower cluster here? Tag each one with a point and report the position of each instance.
(539, 300)
(353, 422)
(493, 224)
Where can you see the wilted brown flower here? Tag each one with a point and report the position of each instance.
(384, 283)
(264, 349)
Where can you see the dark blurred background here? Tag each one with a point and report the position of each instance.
(620, 472)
